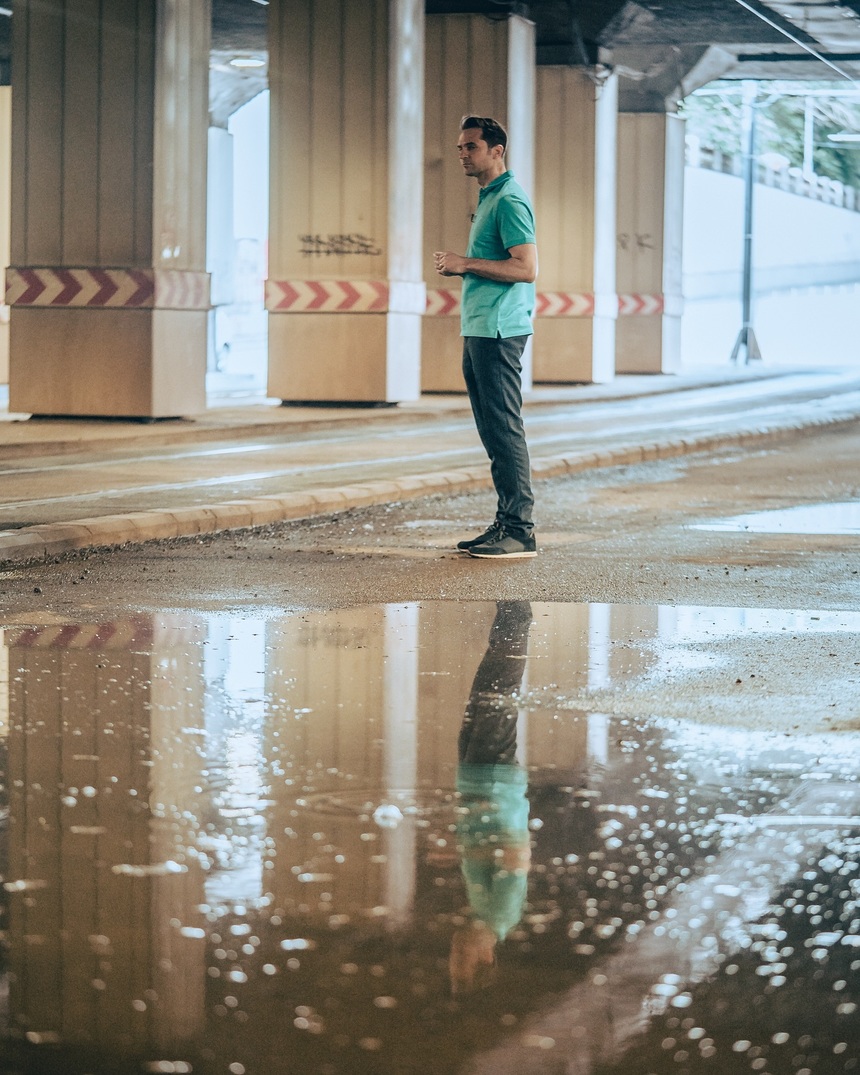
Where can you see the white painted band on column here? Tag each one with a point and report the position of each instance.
(673, 305)
(407, 297)
(98, 288)
(606, 305)
(345, 296)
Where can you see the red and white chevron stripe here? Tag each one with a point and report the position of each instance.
(97, 288)
(327, 296)
(564, 304)
(443, 302)
(638, 305)
(79, 287)
(116, 635)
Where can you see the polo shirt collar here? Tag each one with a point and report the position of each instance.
(499, 181)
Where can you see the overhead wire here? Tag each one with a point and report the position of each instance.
(803, 44)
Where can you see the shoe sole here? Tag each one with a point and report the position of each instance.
(502, 555)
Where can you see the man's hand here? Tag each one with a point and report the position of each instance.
(448, 263)
(519, 267)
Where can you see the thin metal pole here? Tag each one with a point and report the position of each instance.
(746, 337)
(808, 136)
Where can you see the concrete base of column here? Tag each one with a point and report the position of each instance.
(648, 344)
(346, 358)
(442, 355)
(108, 363)
(574, 350)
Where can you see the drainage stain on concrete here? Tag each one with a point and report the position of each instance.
(436, 837)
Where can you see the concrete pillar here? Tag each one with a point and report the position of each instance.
(650, 231)
(108, 286)
(485, 67)
(345, 292)
(575, 209)
(5, 217)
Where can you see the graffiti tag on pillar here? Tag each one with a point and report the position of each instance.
(328, 245)
(643, 241)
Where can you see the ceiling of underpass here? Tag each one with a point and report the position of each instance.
(662, 49)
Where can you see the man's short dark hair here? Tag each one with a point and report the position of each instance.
(493, 133)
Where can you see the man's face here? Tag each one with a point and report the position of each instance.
(476, 156)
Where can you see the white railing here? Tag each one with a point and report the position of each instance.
(793, 180)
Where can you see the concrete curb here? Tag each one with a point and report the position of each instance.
(36, 544)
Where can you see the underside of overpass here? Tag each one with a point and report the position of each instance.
(661, 50)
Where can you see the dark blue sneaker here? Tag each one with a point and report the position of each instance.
(470, 543)
(505, 546)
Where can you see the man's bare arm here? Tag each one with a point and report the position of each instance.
(520, 267)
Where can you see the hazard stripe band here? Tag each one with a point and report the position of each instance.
(98, 288)
(345, 296)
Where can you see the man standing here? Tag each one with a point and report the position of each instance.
(498, 297)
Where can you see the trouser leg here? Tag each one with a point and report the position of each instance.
(491, 369)
(488, 735)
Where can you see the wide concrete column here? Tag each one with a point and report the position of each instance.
(575, 208)
(345, 290)
(108, 287)
(485, 67)
(650, 232)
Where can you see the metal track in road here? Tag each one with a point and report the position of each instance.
(52, 490)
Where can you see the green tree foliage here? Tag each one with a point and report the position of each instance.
(714, 116)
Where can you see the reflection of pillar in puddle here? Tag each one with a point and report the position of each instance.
(559, 644)
(453, 640)
(4, 687)
(400, 755)
(234, 721)
(324, 744)
(99, 715)
(599, 642)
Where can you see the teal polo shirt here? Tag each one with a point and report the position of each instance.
(504, 218)
(494, 812)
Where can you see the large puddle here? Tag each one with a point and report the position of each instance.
(406, 838)
(828, 518)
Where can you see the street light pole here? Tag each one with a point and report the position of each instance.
(746, 337)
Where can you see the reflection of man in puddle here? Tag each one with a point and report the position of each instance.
(492, 831)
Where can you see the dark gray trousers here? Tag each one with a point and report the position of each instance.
(491, 369)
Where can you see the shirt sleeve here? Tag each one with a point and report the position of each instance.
(516, 222)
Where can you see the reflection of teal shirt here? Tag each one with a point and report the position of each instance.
(495, 814)
(504, 218)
